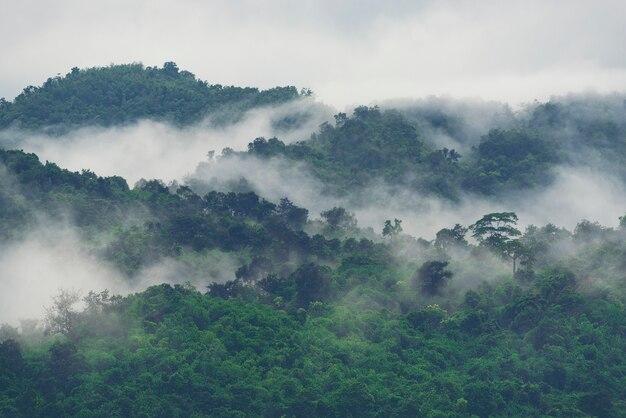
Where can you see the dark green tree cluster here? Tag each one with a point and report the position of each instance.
(169, 221)
(374, 145)
(369, 146)
(313, 326)
(119, 94)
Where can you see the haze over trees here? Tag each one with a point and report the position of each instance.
(315, 315)
(519, 153)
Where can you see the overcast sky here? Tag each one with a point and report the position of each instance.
(348, 52)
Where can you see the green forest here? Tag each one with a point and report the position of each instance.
(125, 93)
(321, 316)
(517, 153)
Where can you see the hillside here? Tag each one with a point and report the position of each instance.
(185, 299)
(400, 147)
(436, 228)
(119, 94)
(310, 325)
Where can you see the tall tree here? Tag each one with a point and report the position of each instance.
(313, 283)
(338, 218)
(448, 237)
(431, 277)
(494, 230)
(497, 231)
(62, 315)
(392, 230)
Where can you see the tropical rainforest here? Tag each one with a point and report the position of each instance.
(271, 307)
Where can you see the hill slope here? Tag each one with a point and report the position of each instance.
(124, 93)
(399, 147)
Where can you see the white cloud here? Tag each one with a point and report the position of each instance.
(577, 193)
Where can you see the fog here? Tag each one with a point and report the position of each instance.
(577, 193)
(50, 256)
(348, 52)
(589, 188)
(443, 121)
(35, 268)
(53, 256)
(150, 149)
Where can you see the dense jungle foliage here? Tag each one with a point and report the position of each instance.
(314, 326)
(516, 153)
(318, 317)
(120, 94)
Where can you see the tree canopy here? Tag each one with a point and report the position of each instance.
(256, 306)
(119, 94)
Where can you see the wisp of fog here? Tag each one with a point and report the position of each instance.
(153, 149)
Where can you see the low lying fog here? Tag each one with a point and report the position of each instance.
(149, 149)
(54, 256)
(577, 193)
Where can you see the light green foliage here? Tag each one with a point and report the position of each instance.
(352, 339)
(185, 353)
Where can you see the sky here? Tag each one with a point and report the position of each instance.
(348, 52)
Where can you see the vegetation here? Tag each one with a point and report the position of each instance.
(375, 145)
(545, 350)
(120, 94)
(349, 329)
(318, 317)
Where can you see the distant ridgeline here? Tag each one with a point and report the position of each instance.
(519, 151)
(119, 94)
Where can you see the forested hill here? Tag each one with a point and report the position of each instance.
(519, 151)
(124, 93)
(326, 324)
(233, 304)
